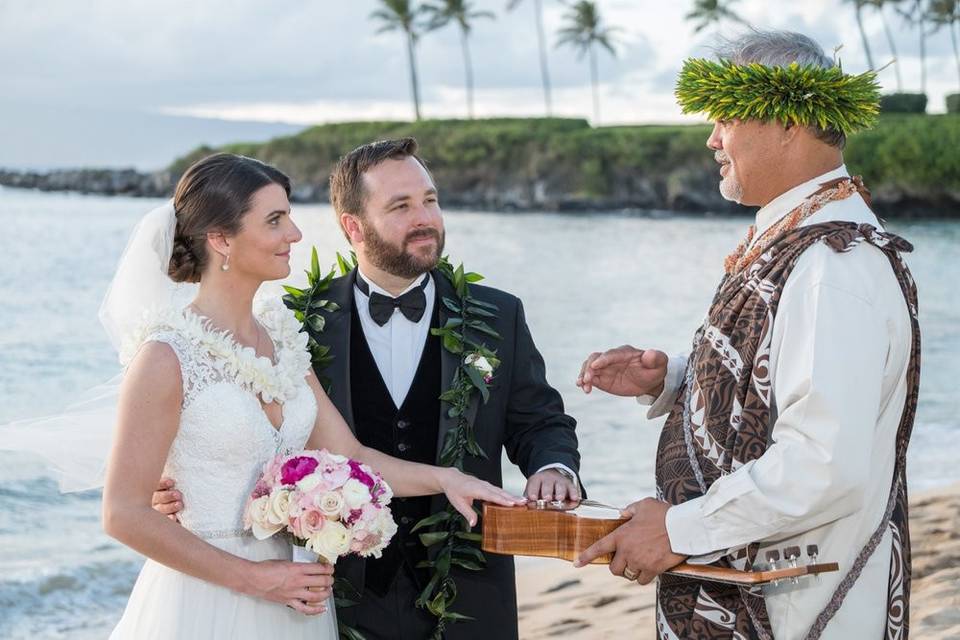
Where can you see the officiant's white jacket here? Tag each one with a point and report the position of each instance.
(839, 356)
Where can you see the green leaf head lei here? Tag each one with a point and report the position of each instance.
(795, 94)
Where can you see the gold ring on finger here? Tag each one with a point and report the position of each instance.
(630, 574)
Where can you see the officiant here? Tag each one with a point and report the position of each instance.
(788, 421)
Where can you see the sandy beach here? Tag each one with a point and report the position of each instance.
(558, 601)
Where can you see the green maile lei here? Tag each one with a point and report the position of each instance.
(447, 531)
(793, 95)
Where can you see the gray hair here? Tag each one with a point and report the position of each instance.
(780, 49)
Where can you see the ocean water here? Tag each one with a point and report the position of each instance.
(588, 282)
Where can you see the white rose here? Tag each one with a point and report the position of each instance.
(330, 504)
(309, 483)
(257, 515)
(331, 542)
(279, 511)
(355, 493)
(479, 363)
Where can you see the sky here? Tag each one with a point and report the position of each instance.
(122, 63)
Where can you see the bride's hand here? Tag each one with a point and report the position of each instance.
(303, 586)
(462, 489)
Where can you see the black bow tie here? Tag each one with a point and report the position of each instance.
(412, 304)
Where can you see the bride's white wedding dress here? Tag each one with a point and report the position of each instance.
(223, 442)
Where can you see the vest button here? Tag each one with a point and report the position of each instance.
(403, 424)
(403, 446)
(406, 520)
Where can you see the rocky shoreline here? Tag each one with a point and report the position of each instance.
(683, 190)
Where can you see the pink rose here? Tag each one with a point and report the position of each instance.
(295, 469)
(307, 524)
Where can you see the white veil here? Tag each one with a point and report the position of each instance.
(76, 443)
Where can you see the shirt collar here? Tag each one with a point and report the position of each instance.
(374, 287)
(786, 202)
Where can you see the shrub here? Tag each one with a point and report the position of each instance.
(903, 103)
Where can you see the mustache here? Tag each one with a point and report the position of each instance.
(721, 157)
(416, 234)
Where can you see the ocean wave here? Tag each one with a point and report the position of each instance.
(77, 603)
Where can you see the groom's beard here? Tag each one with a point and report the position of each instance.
(399, 261)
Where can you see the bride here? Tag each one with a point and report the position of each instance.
(211, 391)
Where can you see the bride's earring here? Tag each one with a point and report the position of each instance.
(226, 264)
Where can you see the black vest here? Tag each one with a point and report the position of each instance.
(408, 433)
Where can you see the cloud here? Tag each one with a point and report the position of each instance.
(326, 59)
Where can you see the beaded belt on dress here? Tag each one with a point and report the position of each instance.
(222, 533)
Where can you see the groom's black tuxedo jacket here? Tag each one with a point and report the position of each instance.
(523, 416)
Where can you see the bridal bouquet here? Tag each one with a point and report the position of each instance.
(327, 503)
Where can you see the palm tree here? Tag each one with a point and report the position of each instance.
(946, 13)
(462, 13)
(707, 12)
(858, 5)
(916, 15)
(879, 5)
(544, 70)
(401, 15)
(583, 31)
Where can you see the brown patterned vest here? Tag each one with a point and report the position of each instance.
(722, 419)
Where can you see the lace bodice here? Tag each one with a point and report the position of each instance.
(225, 438)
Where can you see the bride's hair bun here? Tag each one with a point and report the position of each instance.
(183, 264)
(213, 195)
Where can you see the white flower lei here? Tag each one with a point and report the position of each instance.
(272, 382)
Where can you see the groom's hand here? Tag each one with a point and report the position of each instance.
(167, 500)
(641, 546)
(550, 484)
(624, 371)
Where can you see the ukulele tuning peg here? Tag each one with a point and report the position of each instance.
(773, 557)
(813, 551)
(791, 554)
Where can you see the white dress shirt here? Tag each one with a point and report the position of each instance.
(839, 355)
(398, 345)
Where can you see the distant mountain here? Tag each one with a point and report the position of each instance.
(42, 137)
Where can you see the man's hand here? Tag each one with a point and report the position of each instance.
(167, 500)
(550, 484)
(640, 546)
(624, 371)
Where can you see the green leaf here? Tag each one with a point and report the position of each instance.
(483, 327)
(427, 592)
(471, 551)
(348, 633)
(293, 291)
(475, 537)
(440, 516)
(316, 322)
(453, 616)
(314, 263)
(450, 304)
(467, 564)
(472, 277)
(451, 343)
(434, 537)
(477, 311)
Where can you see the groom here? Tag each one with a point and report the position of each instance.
(388, 372)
